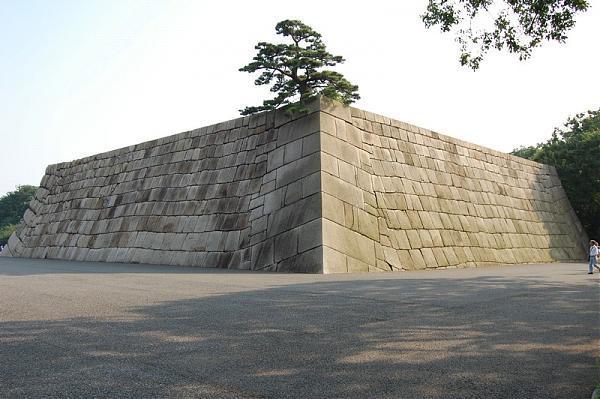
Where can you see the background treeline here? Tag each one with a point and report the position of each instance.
(574, 151)
(12, 207)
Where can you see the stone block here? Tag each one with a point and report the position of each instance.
(232, 240)
(301, 127)
(311, 144)
(342, 190)
(329, 164)
(292, 151)
(450, 256)
(417, 259)
(262, 255)
(310, 261)
(259, 224)
(311, 184)
(363, 180)
(340, 149)
(347, 172)
(293, 215)
(333, 209)
(414, 239)
(275, 159)
(274, 200)
(429, 257)
(310, 235)
(293, 192)
(348, 213)
(348, 242)
(367, 224)
(295, 170)
(440, 258)
(334, 261)
(356, 266)
(327, 124)
(392, 259)
(336, 110)
(286, 244)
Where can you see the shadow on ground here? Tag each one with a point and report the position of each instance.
(485, 337)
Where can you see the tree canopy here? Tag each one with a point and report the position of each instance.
(296, 69)
(517, 26)
(12, 207)
(574, 151)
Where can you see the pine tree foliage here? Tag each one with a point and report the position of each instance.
(296, 69)
(517, 26)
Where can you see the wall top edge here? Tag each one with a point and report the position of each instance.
(374, 117)
(276, 118)
(268, 119)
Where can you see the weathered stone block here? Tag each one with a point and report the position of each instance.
(311, 144)
(294, 215)
(275, 159)
(333, 209)
(310, 261)
(310, 235)
(334, 261)
(311, 184)
(356, 266)
(342, 190)
(262, 254)
(293, 192)
(295, 170)
(292, 151)
(348, 242)
(286, 245)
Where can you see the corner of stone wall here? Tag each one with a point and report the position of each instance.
(285, 214)
(350, 225)
(334, 190)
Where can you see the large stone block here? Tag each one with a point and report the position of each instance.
(348, 242)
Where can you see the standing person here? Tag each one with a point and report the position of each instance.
(593, 257)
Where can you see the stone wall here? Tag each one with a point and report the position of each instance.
(414, 199)
(336, 189)
(241, 194)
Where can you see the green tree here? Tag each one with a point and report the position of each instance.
(296, 69)
(517, 26)
(5, 233)
(14, 204)
(574, 151)
(525, 152)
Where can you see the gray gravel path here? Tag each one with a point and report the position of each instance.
(70, 329)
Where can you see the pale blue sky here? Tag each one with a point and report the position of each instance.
(81, 77)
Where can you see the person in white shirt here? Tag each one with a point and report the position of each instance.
(593, 257)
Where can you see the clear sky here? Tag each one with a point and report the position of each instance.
(82, 77)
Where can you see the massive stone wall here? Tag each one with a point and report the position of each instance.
(397, 197)
(239, 194)
(336, 189)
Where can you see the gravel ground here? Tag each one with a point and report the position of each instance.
(71, 329)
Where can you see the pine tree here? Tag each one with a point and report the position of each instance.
(297, 70)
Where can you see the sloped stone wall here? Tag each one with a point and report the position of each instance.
(336, 189)
(411, 198)
(240, 194)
